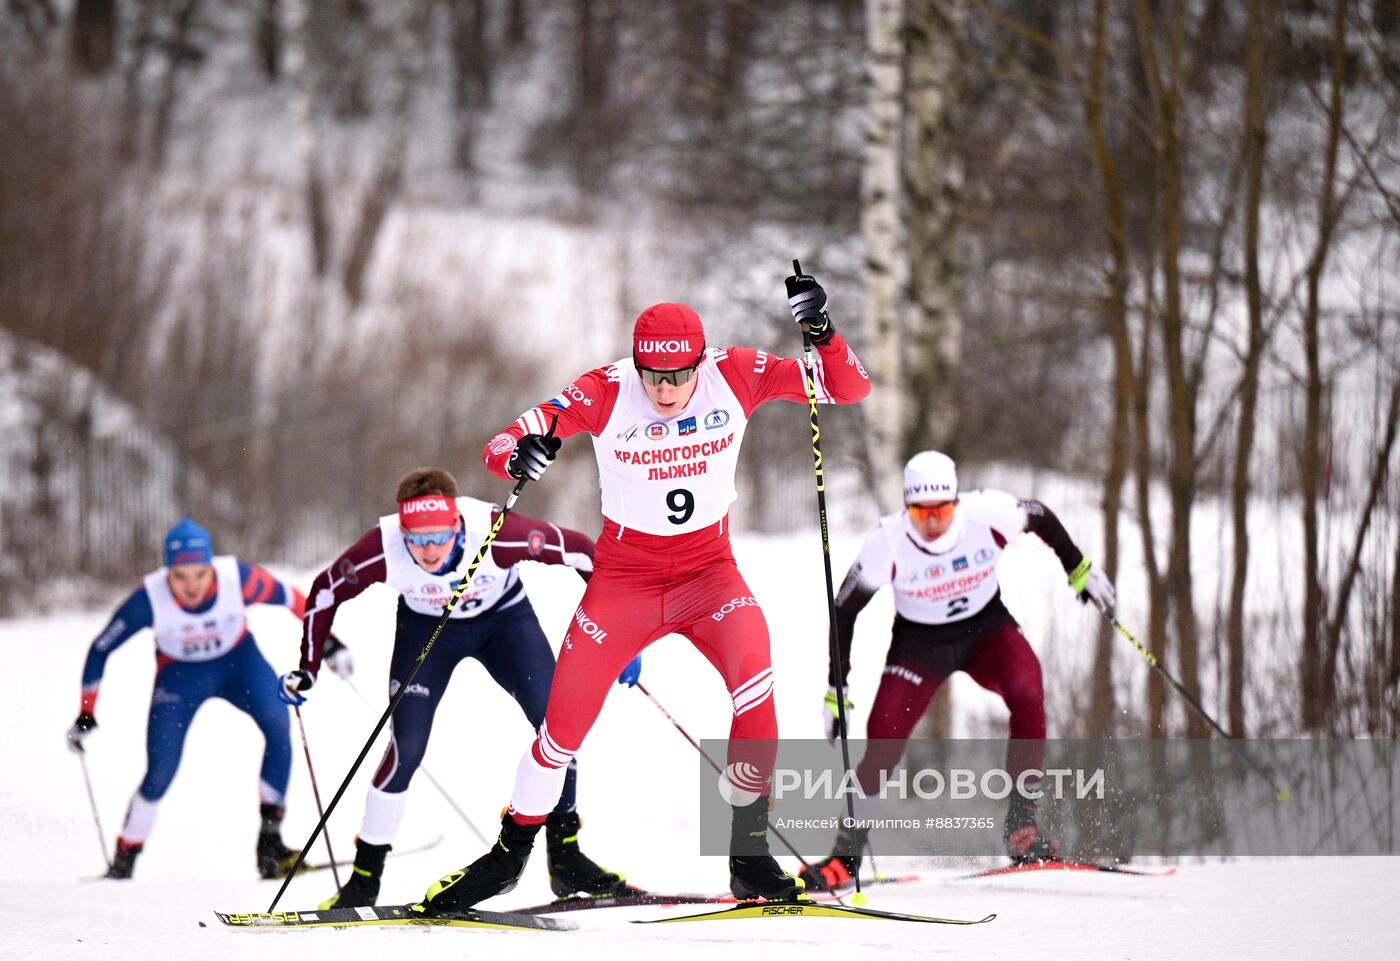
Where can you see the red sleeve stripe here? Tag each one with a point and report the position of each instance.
(533, 422)
(296, 601)
(260, 586)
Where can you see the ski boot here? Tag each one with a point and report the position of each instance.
(752, 871)
(571, 871)
(841, 868)
(275, 859)
(123, 861)
(495, 872)
(1024, 842)
(362, 887)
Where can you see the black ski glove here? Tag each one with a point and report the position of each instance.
(82, 727)
(532, 455)
(807, 301)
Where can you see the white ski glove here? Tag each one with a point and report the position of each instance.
(336, 656)
(831, 721)
(1092, 584)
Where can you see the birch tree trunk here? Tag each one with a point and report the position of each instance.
(932, 179)
(922, 349)
(880, 230)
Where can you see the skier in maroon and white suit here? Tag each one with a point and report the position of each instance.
(667, 424)
(940, 555)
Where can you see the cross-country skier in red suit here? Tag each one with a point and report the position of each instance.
(423, 552)
(940, 555)
(667, 424)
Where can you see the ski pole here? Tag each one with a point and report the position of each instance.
(1281, 793)
(432, 780)
(418, 663)
(718, 770)
(92, 802)
(810, 381)
(316, 793)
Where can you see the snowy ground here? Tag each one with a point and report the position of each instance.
(200, 856)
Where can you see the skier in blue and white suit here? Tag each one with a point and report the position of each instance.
(196, 607)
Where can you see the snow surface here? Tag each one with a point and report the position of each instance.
(638, 793)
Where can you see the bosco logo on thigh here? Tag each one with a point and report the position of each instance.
(732, 605)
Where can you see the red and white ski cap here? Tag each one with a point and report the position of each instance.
(428, 510)
(668, 337)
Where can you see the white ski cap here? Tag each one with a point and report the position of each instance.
(930, 476)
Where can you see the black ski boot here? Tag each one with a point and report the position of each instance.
(362, 887)
(275, 859)
(841, 868)
(495, 872)
(752, 871)
(1024, 842)
(123, 861)
(571, 871)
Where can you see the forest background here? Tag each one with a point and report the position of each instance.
(258, 257)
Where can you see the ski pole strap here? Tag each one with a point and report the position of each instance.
(834, 703)
(1080, 575)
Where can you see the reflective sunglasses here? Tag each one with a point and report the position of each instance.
(423, 540)
(673, 377)
(922, 512)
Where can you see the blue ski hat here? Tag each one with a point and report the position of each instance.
(188, 543)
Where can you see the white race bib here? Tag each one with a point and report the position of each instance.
(428, 593)
(184, 636)
(953, 578)
(670, 475)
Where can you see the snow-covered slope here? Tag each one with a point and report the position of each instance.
(639, 790)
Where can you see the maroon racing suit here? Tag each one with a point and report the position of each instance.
(950, 617)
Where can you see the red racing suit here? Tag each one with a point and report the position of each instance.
(663, 564)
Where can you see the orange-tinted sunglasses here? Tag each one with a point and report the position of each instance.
(922, 512)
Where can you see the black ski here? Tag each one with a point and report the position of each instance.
(808, 909)
(641, 898)
(638, 897)
(389, 914)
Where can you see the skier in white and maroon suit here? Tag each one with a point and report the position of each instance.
(939, 555)
(667, 424)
